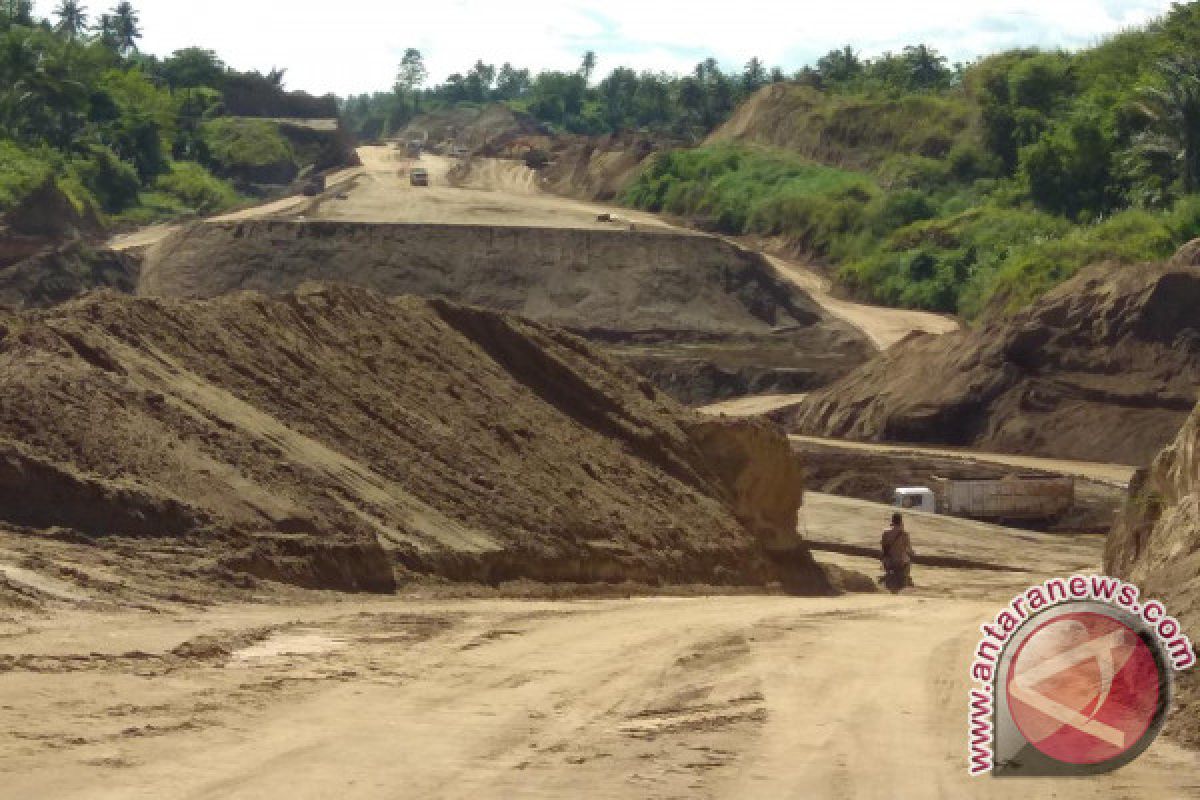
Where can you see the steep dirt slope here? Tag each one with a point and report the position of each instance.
(1104, 368)
(1156, 544)
(325, 436)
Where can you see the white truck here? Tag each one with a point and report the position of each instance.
(1015, 497)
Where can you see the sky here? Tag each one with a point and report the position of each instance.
(354, 46)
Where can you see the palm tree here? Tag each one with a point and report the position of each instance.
(1174, 112)
(72, 19)
(126, 28)
(588, 66)
(18, 12)
(106, 31)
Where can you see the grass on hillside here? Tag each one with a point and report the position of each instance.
(238, 142)
(938, 245)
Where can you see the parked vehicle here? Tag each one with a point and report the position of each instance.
(1015, 497)
(419, 177)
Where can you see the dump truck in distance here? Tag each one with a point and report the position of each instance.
(1032, 498)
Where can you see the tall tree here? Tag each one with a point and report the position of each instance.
(511, 83)
(926, 68)
(412, 74)
(127, 27)
(754, 77)
(106, 31)
(840, 66)
(72, 19)
(1173, 108)
(588, 66)
(18, 12)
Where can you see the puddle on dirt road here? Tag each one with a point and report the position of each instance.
(279, 647)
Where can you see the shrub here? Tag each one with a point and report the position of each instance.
(114, 183)
(236, 143)
(21, 171)
(196, 189)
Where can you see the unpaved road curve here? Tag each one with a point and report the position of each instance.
(883, 326)
(1113, 474)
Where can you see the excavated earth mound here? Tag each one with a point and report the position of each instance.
(703, 318)
(1103, 368)
(331, 436)
(1156, 545)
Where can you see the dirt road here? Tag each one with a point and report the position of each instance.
(506, 193)
(1114, 474)
(421, 697)
(884, 326)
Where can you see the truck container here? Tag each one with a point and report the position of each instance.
(1015, 497)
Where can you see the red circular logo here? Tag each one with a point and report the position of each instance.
(1084, 688)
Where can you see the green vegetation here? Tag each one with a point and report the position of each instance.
(742, 190)
(973, 189)
(239, 143)
(684, 106)
(128, 136)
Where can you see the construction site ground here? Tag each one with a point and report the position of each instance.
(452, 691)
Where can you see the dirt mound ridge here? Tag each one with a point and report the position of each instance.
(1156, 544)
(325, 436)
(1103, 368)
(675, 305)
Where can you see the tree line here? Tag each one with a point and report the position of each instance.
(81, 103)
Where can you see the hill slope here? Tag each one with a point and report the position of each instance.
(1104, 368)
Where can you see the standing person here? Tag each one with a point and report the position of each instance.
(897, 555)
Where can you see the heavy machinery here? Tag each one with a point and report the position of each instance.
(1032, 498)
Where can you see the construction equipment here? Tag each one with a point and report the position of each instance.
(1014, 497)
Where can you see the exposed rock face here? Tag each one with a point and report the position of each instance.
(1103, 368)
(1156, 544)
(315, 436)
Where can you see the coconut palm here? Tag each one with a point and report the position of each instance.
(126, 27)
(1173, 108)
(72, 19)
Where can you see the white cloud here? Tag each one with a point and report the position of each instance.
(354, 45)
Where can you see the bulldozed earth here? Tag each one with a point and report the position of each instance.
(1103, 368)
(334, 438)
(412, 530)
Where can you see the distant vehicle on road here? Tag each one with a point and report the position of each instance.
(1016, 497)
(459, 152)
(419, 177)
(314, 186)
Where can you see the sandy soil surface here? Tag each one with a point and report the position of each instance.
(753, 406)
(505, 193)
(884, 326)
(496, 193)
(421, 696)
